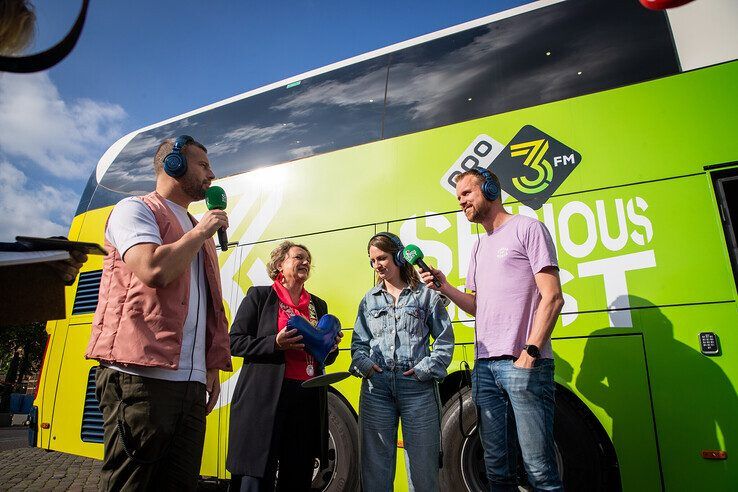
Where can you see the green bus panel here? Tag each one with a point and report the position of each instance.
(655, 240)
(609, 374)
(694, 395)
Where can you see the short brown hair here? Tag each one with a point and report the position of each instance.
(165, 148)
(480, 177)
(17, 26)
(279, 254)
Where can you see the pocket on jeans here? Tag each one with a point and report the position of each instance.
(412, 377)
(526, 369)
(135, 401)
(537, 367)
(100, 382)
(541, 372)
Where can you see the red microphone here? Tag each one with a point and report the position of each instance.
(663, 4)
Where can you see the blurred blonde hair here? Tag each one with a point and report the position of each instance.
(17, 26)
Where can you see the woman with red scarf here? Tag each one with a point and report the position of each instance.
(274, 420)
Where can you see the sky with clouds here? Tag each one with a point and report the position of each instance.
(139, 62)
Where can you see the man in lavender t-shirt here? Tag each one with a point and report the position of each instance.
(516, 300)
(502, 270)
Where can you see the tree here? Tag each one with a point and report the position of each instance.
(21, 349)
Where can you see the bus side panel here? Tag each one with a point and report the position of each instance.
(49, 377)
(66, 426)
(609, 374)
(68, 377)
(232, 295)
(694, 395)
(57, 330)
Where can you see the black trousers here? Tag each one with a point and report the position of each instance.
(293, 444)
(163, 426)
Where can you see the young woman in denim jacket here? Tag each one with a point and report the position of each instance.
(390, 349)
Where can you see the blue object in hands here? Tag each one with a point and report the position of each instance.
(318, 340)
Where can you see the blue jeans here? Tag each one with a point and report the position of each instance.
(516, 405)
(386, 397)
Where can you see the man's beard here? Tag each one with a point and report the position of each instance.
(193, 188)
(479, 214)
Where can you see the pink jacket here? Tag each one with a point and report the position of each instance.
(141, 325)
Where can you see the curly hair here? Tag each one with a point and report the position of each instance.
(279, 254)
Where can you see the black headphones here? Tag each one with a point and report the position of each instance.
(175, 163)
(397, 242)
(490, 188)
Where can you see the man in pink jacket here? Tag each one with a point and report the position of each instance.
(160, 331)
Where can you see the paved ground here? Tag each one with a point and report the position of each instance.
(35, 469)
(32, 469)
(13, 438)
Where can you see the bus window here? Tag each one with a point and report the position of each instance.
(333, 110)
(726, 190)
(552, 53)
(84, 201)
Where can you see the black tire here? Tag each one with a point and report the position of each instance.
(589, 458)
(585, 454)
(342, 472)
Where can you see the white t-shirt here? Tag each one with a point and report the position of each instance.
(132, 222)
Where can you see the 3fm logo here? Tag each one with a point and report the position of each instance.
(530, 168)
(533, 166)
(534, 153)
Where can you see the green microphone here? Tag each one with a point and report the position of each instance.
(215, 199)
(414, 256)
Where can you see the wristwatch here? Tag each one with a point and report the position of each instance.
(532, 351)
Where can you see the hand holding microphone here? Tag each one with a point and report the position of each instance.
(215, 199)
(414, 256)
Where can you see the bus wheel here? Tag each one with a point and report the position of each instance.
(342, 470)
(584, 454)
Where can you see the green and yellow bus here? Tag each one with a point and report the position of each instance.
(613, 124)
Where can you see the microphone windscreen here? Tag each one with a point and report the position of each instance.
(412, 254)
(215, 198)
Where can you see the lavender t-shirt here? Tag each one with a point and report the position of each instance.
(501, 272)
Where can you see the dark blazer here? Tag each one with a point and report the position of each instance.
(256, 395)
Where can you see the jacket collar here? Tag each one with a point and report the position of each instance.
(379, 288)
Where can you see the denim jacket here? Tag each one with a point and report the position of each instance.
(398, 337)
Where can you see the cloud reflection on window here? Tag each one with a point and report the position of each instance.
(563, 50)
